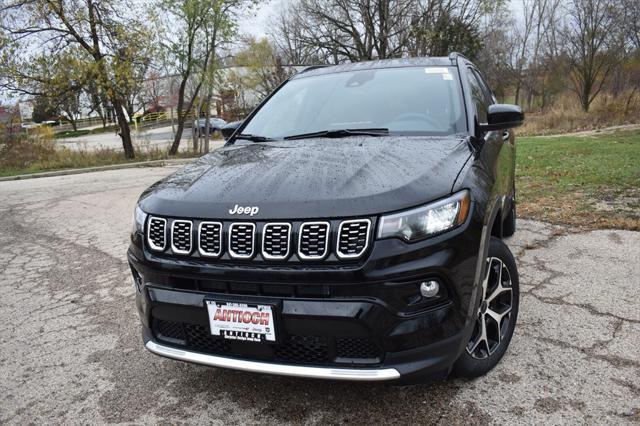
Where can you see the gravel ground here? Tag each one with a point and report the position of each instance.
(70, 349)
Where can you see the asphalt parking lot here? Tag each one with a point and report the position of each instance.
(70, 350)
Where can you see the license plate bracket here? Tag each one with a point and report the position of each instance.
(240, 321)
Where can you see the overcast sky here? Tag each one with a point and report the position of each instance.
(257, 22)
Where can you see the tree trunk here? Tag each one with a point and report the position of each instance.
(125, 132)
(207, 134)
(181, 118)
(176, 140)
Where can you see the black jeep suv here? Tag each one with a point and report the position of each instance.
(350, 228)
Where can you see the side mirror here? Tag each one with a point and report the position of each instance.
(502, 116)
(228, 129)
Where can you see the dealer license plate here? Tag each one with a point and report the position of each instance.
(241, 321)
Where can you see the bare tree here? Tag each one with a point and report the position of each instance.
(335, 31)
(286, 35)
(353, 30)
(589, 44)
(629, 19)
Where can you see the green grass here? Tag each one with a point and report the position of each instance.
(587, 180)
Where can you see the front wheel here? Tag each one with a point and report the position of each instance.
(496, 315)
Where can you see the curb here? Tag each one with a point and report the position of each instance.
(64, 172)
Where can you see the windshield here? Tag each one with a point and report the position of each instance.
(409, 101)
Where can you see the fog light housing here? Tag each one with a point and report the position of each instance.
(429, 288)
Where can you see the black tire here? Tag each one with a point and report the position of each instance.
(509, 223)
(479, 362)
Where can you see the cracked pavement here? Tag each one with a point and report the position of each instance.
(70, 349)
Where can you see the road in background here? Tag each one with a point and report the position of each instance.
(161, 137)
(71, 351)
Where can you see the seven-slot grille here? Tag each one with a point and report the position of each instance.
(157, 233)
(275, 240)
(210, 239)
(353, 238)
(313, 240)
(181, 236)
(241, 240)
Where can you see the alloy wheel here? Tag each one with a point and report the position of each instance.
(494, 313)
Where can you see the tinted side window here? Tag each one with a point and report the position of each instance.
(479, 96)
(488, 94)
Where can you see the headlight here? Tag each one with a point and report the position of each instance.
(422, 222)
(139, 218)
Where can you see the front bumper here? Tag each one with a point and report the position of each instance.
(354, 374)
(361, 322)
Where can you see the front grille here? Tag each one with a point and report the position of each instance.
(210, 239)
(313, 240)
(157, 233)
(294, 349)
(241, 240)
(261, 241)
(353, 238)
(275, 240)
(181, 236)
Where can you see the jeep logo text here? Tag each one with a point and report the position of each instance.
(253, 210)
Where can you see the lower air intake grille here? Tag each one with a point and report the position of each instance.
(181, 236)
(275, 240)
(157, 233)
(353, 238)
(210, 239)
(241, 241)
(304, 349)
(169, 329)
(356, 348)
(314, 240)
(296, 349)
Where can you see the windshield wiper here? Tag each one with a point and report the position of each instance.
(340, 133)
(253, 138)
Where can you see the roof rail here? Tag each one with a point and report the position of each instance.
(312, 67)
(453, 57)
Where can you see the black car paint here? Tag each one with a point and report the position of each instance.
(356, 176)
(423, 343)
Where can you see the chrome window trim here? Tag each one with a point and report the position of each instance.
(151, 243)
(359, 374)
(366, 243)
(220, 239)
(286, 255)
(326, 245)
(235, 255)
(173, 247)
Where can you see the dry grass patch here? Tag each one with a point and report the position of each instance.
(566, 115)
(39, 153)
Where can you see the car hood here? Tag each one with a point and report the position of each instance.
(313, 178)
